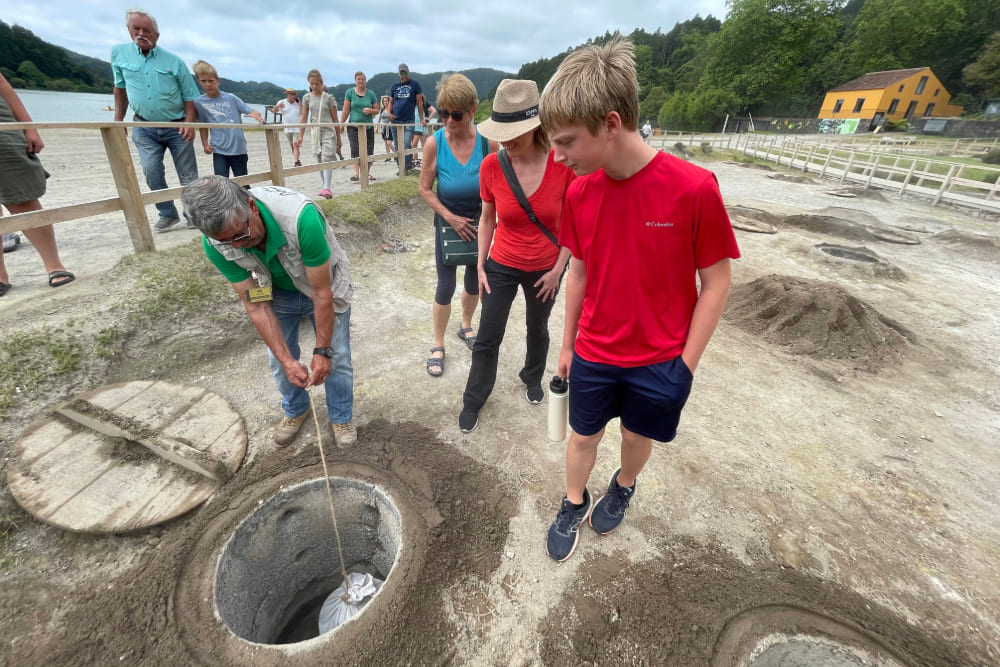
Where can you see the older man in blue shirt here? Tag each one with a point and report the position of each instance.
(158, 86)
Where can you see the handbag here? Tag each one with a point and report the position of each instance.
(515, 186)
(456, 251)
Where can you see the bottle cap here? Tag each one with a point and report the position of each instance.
(558, 385)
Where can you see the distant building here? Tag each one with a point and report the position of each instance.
(892, 95)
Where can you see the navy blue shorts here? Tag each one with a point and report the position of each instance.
(649, 399)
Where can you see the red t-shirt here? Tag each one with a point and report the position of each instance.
(518, 242)
(642, 240)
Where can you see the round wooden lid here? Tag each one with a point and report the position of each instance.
(126, 456)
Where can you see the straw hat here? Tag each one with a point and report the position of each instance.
(515, 111)
(289, 90)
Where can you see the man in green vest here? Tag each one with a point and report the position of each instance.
(282, 258)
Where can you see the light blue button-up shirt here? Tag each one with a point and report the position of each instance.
(157, 84)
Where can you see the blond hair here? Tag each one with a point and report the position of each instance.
(591, 83)
(456, 92)
(202, 68)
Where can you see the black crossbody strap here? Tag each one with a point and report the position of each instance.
(515, 186)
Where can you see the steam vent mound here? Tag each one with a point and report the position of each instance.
(817, 319)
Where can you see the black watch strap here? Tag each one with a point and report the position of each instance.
(325, 351)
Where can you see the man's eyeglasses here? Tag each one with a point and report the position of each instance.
(241, 237)
(457, 115)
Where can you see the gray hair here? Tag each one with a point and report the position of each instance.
(211, 203)
(135, 11)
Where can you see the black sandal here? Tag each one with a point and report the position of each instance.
(436, 362)
(470, 341)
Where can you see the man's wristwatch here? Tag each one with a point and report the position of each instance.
(325, 351)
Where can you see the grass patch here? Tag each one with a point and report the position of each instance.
(363, 208)
(166, 286)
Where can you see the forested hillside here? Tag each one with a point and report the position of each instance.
(29, 62)
(779, 57)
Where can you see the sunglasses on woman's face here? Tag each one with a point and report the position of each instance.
(457, 115)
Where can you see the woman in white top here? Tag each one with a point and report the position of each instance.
(290, 109)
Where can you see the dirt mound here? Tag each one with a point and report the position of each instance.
(851, 193)
(752, 219)
(981, 245)
(790, 178)
(828, 225)
(817, 319)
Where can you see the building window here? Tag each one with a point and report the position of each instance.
(859, 104)
(930, 109)
(911, 109)
(920, 86)
(900, 87)
(893, 106)
(836, 107)
(936, 91)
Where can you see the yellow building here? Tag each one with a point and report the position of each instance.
(894, 95)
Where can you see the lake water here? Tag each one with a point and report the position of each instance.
(48, 106)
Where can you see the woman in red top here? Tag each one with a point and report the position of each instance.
(513, 250)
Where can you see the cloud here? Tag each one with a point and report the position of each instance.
(260, 40)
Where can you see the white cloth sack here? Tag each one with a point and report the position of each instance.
(359, 589)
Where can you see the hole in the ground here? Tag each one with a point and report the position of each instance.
(853, 254)
(776, 635)
(281, 562)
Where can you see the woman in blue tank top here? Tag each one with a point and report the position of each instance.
(452, 157)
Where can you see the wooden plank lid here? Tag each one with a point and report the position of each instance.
(126, 456)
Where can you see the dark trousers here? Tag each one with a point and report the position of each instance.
(221, 164)
(504, 282)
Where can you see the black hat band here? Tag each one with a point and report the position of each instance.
(514, 116)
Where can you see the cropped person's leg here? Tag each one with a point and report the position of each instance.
(537, 315)
(151, 151)
(492, 324)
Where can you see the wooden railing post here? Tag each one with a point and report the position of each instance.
(273, 138)
(364, 165)
(123, 170)
(945, 186)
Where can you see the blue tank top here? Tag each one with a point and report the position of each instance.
(458, 184)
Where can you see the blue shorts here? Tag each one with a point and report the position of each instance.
(649, 399)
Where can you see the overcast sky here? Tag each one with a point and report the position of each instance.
(281, 40)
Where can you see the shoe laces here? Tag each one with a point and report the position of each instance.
(567, 517)
(619, 498)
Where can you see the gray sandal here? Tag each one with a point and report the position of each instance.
(436, 363)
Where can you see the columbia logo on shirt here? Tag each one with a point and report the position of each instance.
(654, 223)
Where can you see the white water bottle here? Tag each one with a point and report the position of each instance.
(558, 408)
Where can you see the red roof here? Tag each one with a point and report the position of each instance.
(878, 80)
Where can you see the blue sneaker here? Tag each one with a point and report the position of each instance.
(610, 510)
(564, 531)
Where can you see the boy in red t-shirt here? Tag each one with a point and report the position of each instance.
(641, 225)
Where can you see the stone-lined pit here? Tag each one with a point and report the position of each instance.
(281, 562)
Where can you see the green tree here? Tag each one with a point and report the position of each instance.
(760, 52)
(650, 106)
(984, 73)
(30, 73)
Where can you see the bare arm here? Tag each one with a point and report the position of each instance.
(121, 103)
(203, 133)
(427, 175)
(256, 116)
(487, 228)
(576, 282)
(346, 112)
(322, 298)
(712, 299)
(190, 116)
(35, 144)
(263, 318)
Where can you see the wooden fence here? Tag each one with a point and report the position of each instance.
(972, 185)
(132, 200)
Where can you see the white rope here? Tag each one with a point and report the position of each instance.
(329, 490)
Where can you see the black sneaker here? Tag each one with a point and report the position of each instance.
(468, 421)
(564, 532)
(164, 224)
(610, 510)
(534, 394)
